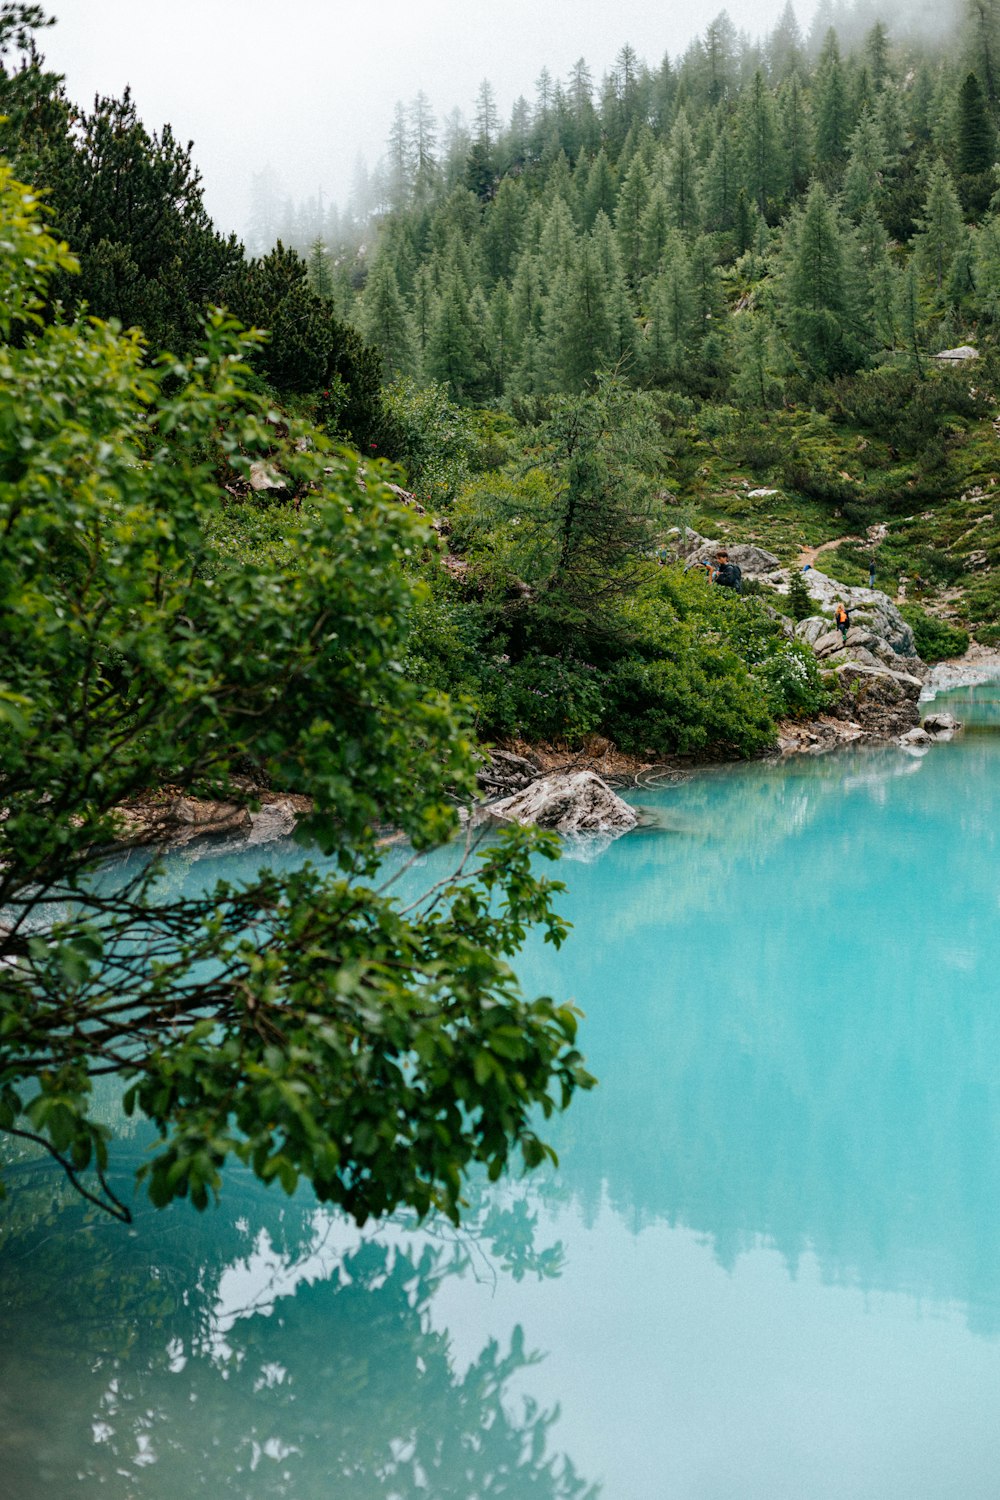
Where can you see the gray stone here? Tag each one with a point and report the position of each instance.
(810, 630)
(941, 725)
(915, 736)
(884, 703)
(956, 356)
(265, 479)
(577, 802)
(829, 644)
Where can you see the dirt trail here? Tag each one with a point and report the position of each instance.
(810, 554)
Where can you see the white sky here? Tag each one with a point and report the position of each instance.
(308, 85)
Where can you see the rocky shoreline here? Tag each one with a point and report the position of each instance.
(882, 685)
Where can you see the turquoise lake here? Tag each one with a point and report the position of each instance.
(768, 1265)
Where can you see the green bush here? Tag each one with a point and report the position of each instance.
(793, 682)
(541, 698)
(936, 640)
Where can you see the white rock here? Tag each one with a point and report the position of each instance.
(574, 802)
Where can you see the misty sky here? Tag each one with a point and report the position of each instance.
(308, 85)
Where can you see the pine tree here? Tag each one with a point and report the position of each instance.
(877, 56)
(754, 380)
(833, 121)
(632, 201)
(320, 275)
(450, 353)
(501, 340)
(863, 179)
(784, 46)
(599, 192)
(987, 267)
(502, 229)
(681, 177)
(796, 134)
(881, 288)
(655, 230)
(399, 160)
(673, 327)
(759, 144)
(941, 228)
(720, 183)
(385, 321)
(816, 298)
(976, 146)
(983, 46)
(586, 333)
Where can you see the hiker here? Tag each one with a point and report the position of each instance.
(871, 573)
(842, 621)
(727, 574)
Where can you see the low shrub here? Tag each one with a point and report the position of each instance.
(936, 639)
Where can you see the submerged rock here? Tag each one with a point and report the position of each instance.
(577, 802)
(941, 726)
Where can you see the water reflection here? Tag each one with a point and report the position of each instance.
(261, 1350)
(790, 1001)
(791, 1011)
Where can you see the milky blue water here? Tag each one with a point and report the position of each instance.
(768, 1265)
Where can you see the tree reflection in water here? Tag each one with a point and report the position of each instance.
(275, 1361)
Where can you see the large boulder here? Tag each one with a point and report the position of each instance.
(883, 703)
(752, 561)
(941, 726)
(573, 802)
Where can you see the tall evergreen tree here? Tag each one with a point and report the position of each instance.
(600, 191)
(796, 135)
(450, 353)
(633, 198)
(681, 176)
(784, 46)
(832, 109)
(385, 320)
(816, 291)
(940, 229)
(760, 144)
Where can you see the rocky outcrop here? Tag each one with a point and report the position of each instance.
(880, 702)
(870, 610)
(265, 479)
(179, 820)
(577, 802)
(752, 561)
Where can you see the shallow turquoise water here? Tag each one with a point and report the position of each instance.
(768, 1266)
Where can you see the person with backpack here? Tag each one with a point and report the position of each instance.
(728, 575)
(842, 621)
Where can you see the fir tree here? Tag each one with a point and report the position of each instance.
(599, 192)
(833, 120)
(759, 142)
(817, 306)
(681, 177)
(450, 353)
(385, 321)
(940, 226)
(632, 201)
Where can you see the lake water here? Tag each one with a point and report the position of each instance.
(768, 1265)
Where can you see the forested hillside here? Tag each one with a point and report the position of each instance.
(733, 223)
(637, 306)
